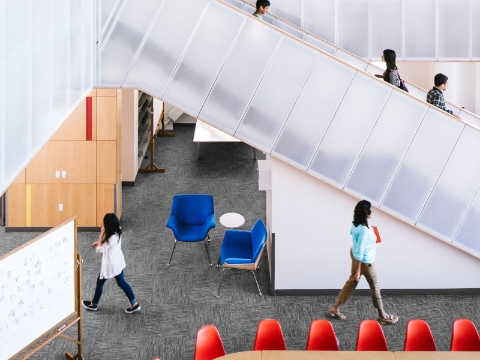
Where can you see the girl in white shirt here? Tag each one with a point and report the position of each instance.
(113, 262)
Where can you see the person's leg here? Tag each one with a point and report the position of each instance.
(347, 291)
(98, 290)
(126, 288)
(371, 276)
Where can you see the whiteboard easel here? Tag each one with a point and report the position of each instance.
(40, 293)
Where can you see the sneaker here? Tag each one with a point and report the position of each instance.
(132, 309)
(87, 305)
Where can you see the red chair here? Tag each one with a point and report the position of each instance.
(419, 337)
(371, 337)
(208, 345)
(322, 336)
(464, 336)
(269, 336)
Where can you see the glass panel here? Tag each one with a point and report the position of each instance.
(475, 30)
(313, 111)
(470, 118)
(467, 236)
(420, 29)
(244, 67)
(417, 92)
(352, 29)
(164, 46)
(386, 25)
(119, 48)
(3, 184)
(292, 30)
(422, 165)
(454, 32)
(322, 45)
(319, 18)
(106, 7)
(386, 146)
(204, 58)
(352, 60)
(88, 55)
(350, 129)
(236, 3)
(455, 189)
(372, 69)
(76, 52)
(276, 94)
(288, 10)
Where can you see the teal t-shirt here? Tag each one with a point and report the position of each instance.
(364, 243)
(257, 16)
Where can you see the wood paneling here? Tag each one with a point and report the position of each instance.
(20, 178)
(75, 127)
(93, 93)
(106, 118)
(16, 205)
(77, 158)
(106, 162)
(106, 92)
(94, 118)
(77, 199)
(105, 201)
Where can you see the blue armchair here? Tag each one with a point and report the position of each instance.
(191, 218)
(242, 250)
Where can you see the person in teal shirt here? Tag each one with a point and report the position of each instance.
(262, 8)
(362, 254)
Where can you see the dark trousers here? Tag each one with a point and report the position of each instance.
(120, 282)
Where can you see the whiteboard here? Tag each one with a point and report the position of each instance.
(37, 288)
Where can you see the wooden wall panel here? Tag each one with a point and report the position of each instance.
(106, 162)
(20, 178)
(106, 118)
(16, 205)
(75, 127)
(77, 199)
(94, 118)
(93, 93)
(106, 92)
(77, 158)
(105, 201)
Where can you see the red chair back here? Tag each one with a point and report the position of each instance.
(371, 337)
(208, 345)
(464, 336)
(419, 337)
(269, 336)
(322, 336)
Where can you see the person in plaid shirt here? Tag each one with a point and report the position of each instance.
(435, 96)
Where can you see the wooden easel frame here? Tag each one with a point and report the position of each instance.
(152, 167)
(69, 321)
(162, 132)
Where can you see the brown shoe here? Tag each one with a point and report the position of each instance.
(389, 320)
(337, 315)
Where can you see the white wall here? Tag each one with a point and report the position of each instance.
(311, 221)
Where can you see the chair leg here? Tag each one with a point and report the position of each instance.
(218, 263)
(208, 237)
(208, 255)
(175, 244)
(220, 285)
(259, 291)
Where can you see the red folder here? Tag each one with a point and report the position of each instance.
(377, 234)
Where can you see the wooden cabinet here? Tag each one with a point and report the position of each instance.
(105, 201)
(16, 215)
(106, 162)
(106, 118)
(75, 127)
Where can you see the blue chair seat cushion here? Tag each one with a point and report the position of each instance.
(236, 247)
(190, 233)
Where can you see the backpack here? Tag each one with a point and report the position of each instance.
(403, 85)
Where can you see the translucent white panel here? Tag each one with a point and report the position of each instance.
(164, 46)
(353, 26)
(387, 22)
(106, 7)
(292, 30)
(322, 45)
(41, 49)
(18, 86)
(3, 184)
(288, 10)
(313, 111)
(76, 51)
(420, 29)
(470, 118)
(454, 29)
(349, 129)
(319, 18)
(236, 3)
(475, 30)
(249, 9)
(386, 146)
(455, 189)
(422, 165)
(372, 69)
(119, 47)
(417, 92)
(352, 60)
(88, 56)
(276, 94)
(203, 59)
(467, 235)
(240, 76)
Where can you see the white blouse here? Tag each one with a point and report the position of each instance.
(113, 261)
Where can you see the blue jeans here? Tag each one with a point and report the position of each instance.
(120, 282)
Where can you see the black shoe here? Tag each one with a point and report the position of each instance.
(87, 305)
(132, 309)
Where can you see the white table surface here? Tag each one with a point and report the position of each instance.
(232, 220)
(207, 133)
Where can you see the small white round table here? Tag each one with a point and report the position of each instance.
(232, 220)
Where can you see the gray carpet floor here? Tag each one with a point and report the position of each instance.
(176, 301)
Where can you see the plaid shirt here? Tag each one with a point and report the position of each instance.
(435, 97)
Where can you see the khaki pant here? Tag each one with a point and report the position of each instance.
(367, 270)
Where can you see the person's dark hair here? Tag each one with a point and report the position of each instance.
(390, 58)
(440, 79)
(111, 225)
(361, 212)
(262, 3)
